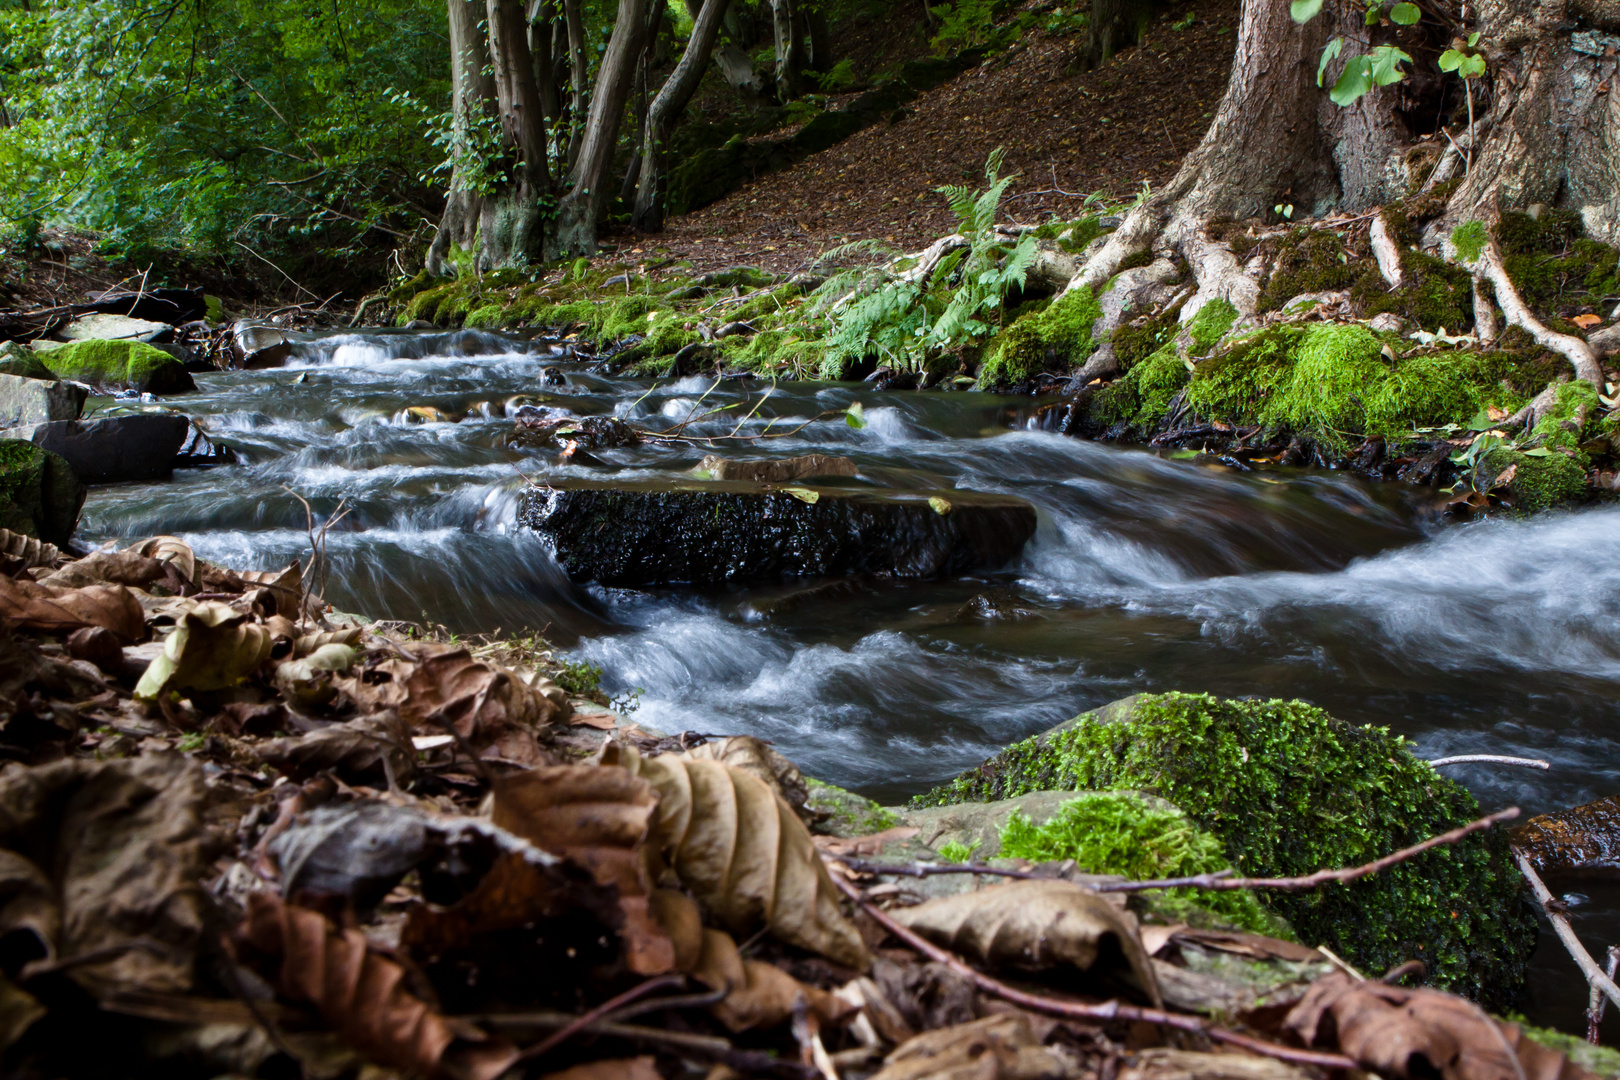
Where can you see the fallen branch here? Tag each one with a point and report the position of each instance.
(1491, 759)
(1583, 959)
(1075, 1010)
(1219, 879)
(748, 1062)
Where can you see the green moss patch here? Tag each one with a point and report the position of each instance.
(120, 365)
(1539, 479)
(844, 813)
(1056, 338)
(1309, 260)
(1127, 834)
(39, 494)
(1287, 790)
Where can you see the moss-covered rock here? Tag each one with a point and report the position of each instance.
(39, 495)
(1535, 480)
(120, 365)
(19, 360)
(844, 813)
(1288, 789)
(1309, 260)
(1055, 338)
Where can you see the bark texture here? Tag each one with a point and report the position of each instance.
(512, 224)
(666, 108)
(472, 97)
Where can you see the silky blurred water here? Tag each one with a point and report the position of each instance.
(1145, 574)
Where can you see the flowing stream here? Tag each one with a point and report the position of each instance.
(1144, 574)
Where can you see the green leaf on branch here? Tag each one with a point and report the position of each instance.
(1355, 81)
(855, 415)
(1330, 52)
(1385, 59)
(1304, 11)
(1405, 14)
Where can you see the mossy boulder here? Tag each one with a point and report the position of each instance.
(1535, 480)
(1055, 338)
(844, 813)
(19, 360)
(1288, 789)
(120, 365)
(39, 495)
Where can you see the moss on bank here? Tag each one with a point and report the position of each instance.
(1288, 789)
(1055, 338)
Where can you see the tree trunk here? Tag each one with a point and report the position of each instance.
(472, 98)
(512, 225)
(579, 77)
(788, 29)
(1113, 25)
(819, 37)
(577, 213)
(542, 24)
(738, 70)
(666, 108)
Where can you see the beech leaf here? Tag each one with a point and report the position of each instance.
(1035, 925)
(27, 550)
(35, 606)
(213, 647)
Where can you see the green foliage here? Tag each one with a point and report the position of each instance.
(579, 677)
(843, 813)
(274, 124)
(840, 78)
(1470, 239)
(1308, 260)
(1121, 833)
(1540, 478)
(903, 319)
(1054, 338)
(1560, 426)
(1288, 789)
(964, 24)
(957, 852)
(1465, 62)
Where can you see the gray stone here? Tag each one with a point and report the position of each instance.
(25, 400)
(103, 327)
(257, 345)
(776, 470)
(141, 446)
(18, 359)
(639, 533)
(198, 451)
(981, 823)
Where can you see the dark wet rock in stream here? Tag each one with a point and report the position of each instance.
(654, 533)
(142, 446)
(1583, 838)
(39, 495)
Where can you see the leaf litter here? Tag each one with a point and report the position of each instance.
(243, 835)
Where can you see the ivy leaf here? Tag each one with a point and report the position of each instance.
(1330, 52)
(1304, 11)
(1472, 67)
(1405, 14)
(1354, 82)
(1451, 60)
(1385, 59)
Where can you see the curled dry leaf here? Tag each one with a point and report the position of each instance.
(305, 644)
(1412, 1034)
(32, 606)
(998, 1047)
(744, 854)
(361, 994)
(285, 588)
(599, 819)
(27, 552)
(1037, 926)
(213, 647)
(108, 568)
(308, 680)
(365, 747)
(172, 550)
(756, 756)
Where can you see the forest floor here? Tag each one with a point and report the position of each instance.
(1067, 133)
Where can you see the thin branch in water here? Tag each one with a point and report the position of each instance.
(1596, 1001)
(1583, 959)
(1491, 759)
(1075, 1010)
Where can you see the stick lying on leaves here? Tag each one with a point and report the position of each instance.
(1220, 879)
(1074, 1010)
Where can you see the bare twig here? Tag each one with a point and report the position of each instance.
(1491, 759)
(1583, 959)
(749, 1062)
(1219, 879)
(1075, 1010)
(583, 1021)
(1596, 1001)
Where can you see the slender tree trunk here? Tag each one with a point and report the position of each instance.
(542, 26)
(632, 174)
(512, 225)
(579, 78)
(738, 70)
(1113, 25)
(819, 37)
(472, 98)
(666, 108)
(579, 210)
(789, 48)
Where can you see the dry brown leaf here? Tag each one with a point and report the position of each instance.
(1036, 926)
(1586, 322)
(603, 721)
(599, 819)
(744, 854)
(638, 1068)
(864, 845)
(1193, 1065)
(998, 1047)
(760, 995)
(32, 606)
(361, 994)
(27, 551)
(305, 644)
(285, 588)
(107, 568)
(1412, 1034)
(756, 756)
(173, 551)
(371, 745)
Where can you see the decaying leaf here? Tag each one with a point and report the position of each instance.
(172, 550)
(285, 588)
(517, 891)
(24, 552)
(871, 844)
(102, 859)
(998, 1047)
(126, 567)
(369, 745)
(361, 994)
(18, 1011)
(355, 851)
(599, 819)
(640, 1068)
(308, 680)
(53, 610)
(755, 756)
(213, 647)
(305, 644)
(1417, 1034)
(1037, 926)
(744, 854)
(1193, 1065)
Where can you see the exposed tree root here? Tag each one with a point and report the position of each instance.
(1385, 252)
(1518, 313)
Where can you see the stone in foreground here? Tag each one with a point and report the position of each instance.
(25, 400)
(657, 533)
(39, 495)
(144, 446)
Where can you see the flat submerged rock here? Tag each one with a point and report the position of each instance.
(639, 533)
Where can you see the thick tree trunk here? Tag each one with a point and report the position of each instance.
(472, 98)
(512, 224)
(577, 213)
(542, 31)
(666, 109)
(819, 37)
